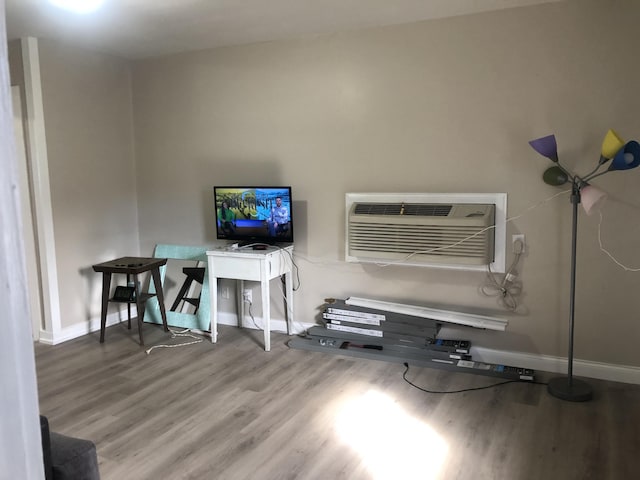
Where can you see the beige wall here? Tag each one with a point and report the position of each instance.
(442, 106)
(88, 120)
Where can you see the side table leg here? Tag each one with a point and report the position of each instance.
(140, 306)
(128, 306)
(106, 286)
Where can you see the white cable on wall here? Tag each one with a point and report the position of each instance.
(509, 288)
(621, 265)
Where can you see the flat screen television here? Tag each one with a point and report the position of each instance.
(253, 214)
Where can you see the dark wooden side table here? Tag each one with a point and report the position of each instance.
(131, 267)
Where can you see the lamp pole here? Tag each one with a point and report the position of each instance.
(569, 388)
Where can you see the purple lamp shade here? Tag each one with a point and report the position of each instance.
(627, 157)
(546, 146)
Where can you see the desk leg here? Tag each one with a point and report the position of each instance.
(240, 302)
(266, 311)
(288, 280)
(213, 298)
(157, 282)
(106, 285)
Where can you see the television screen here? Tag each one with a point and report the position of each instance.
(254, 214)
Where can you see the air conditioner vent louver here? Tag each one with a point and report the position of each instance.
(418, 209)
(377, 208)
(426, 233)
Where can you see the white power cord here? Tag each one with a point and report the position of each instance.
(479, 232)
(253, 320)
(508, 289)
(174, 334)
(604, 250)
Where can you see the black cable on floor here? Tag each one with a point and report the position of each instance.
(404, 376)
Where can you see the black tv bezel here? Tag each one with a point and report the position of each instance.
(249, 239)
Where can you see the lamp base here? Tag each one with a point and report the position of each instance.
(572, 391)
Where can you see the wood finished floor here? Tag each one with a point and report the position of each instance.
(233, 411)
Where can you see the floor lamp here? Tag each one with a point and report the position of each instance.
(623, 156)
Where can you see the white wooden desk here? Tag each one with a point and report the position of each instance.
(252, 265)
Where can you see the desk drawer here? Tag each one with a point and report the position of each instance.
(237, 267)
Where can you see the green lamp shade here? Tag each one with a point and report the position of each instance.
(555, 176)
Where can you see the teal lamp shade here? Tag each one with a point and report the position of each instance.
(546, 146)
(555, 176)
(627, 157)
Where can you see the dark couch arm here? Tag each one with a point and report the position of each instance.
(46, 448)
(68, 458)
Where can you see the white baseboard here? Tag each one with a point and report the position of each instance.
(83, 328)
(547, 363)
(541, 363)
(277, 324)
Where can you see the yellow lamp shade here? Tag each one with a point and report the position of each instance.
(611, 144)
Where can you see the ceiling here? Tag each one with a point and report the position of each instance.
(146, 28)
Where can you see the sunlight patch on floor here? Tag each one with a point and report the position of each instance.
(392, 443)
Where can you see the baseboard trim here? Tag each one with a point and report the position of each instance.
(541, 363)
(84, 328)
(547, 363)
(277, 324)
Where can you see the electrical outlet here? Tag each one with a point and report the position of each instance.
(514, 242)
(224, 293)
(246, 296)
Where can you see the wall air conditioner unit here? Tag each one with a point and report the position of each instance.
(413, 229)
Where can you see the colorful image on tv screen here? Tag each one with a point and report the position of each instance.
(259, 213)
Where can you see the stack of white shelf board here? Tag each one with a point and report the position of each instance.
(342, 317)
(361, 331)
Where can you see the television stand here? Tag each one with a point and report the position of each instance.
(252, 265)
